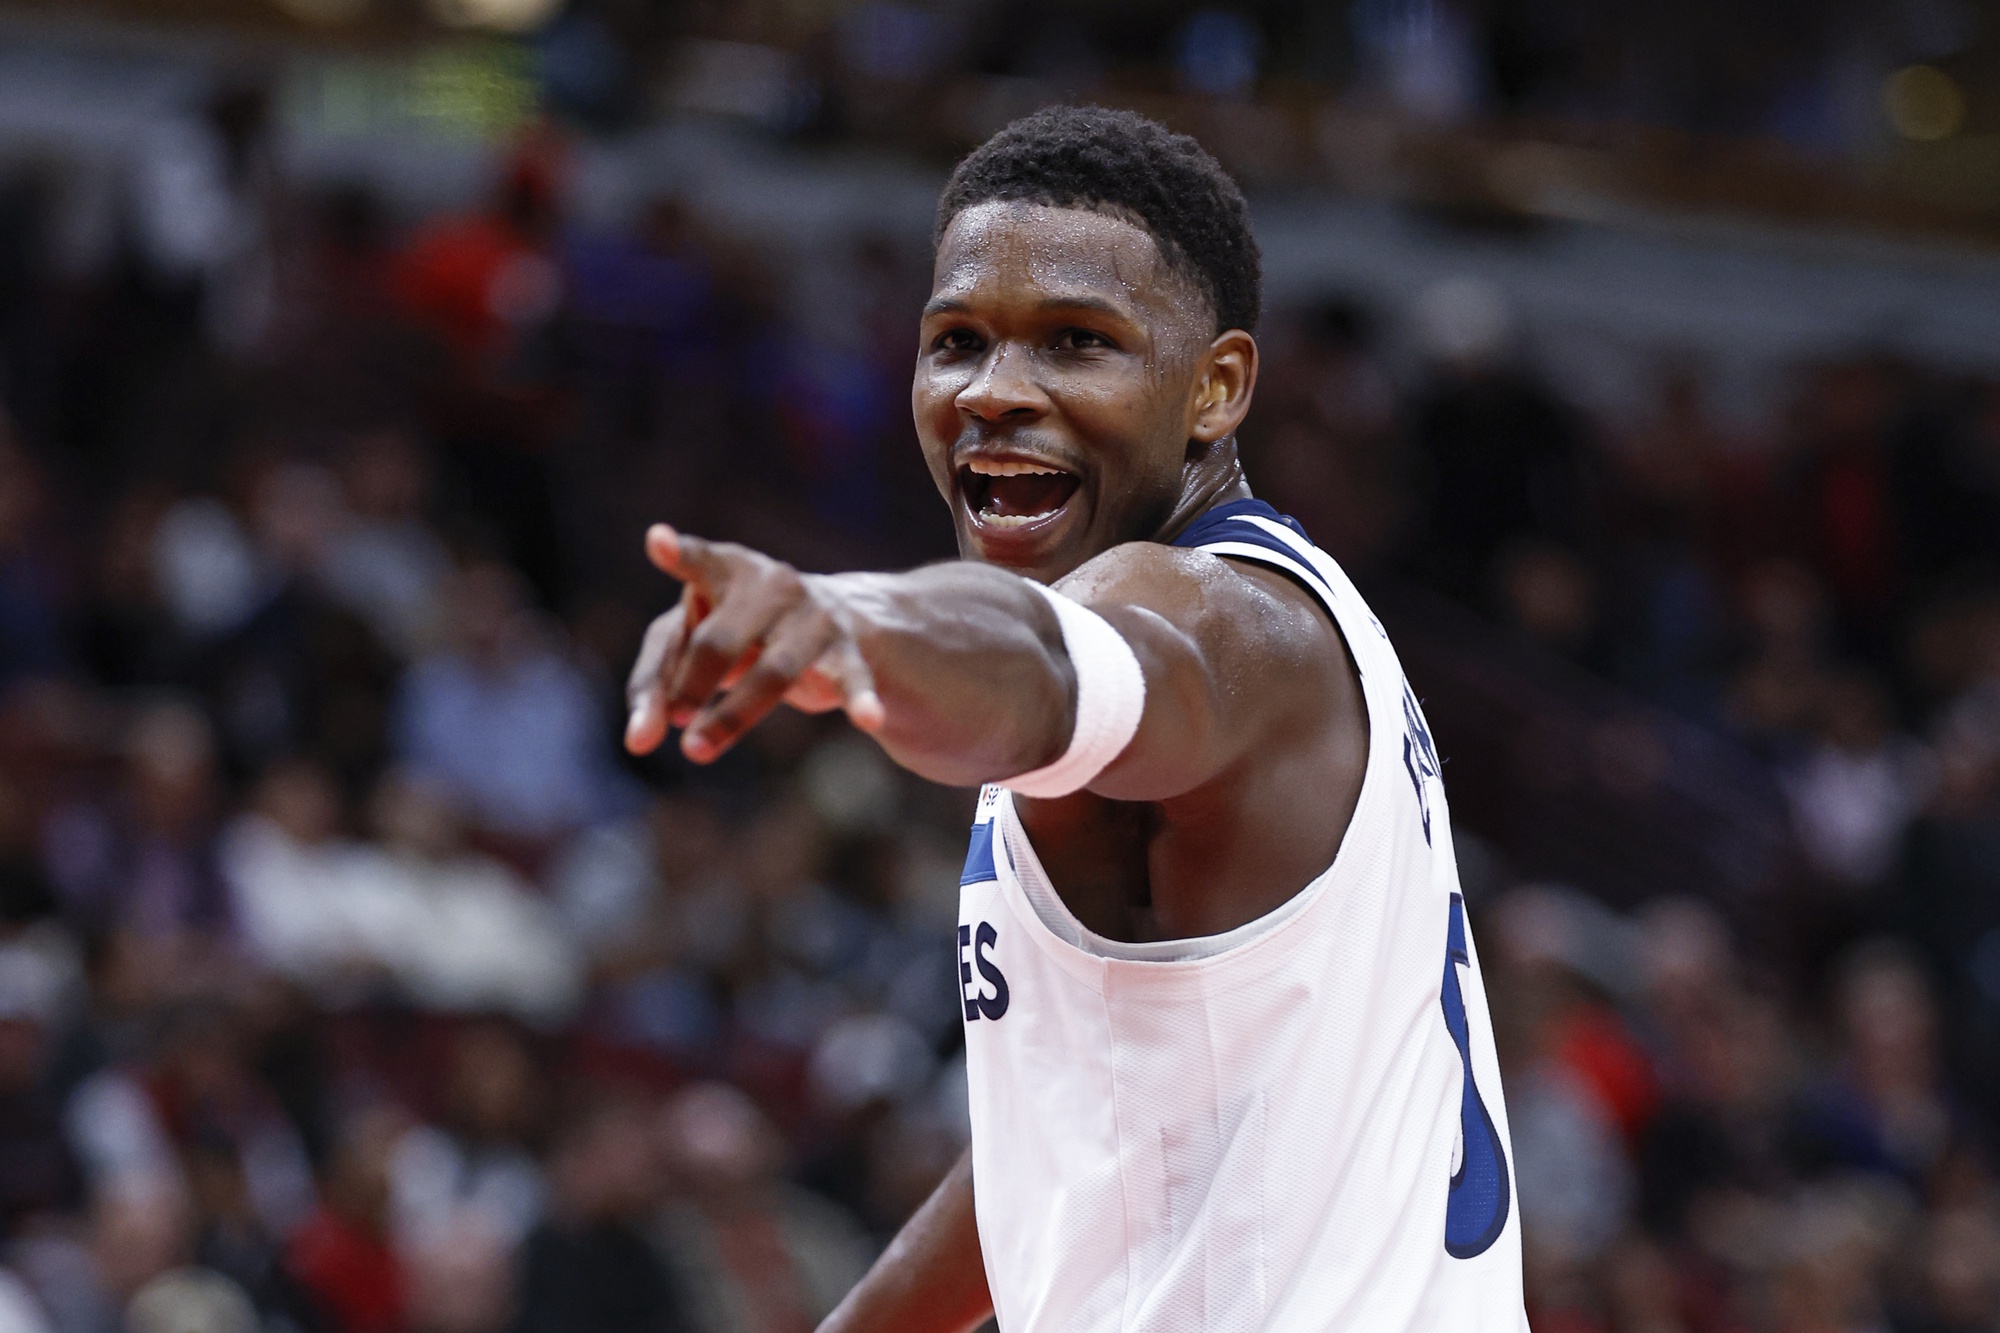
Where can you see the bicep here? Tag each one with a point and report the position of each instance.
(1236, 659)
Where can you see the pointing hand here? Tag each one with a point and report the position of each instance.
(748, 633)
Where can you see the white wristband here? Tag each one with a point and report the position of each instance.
(1110, 698)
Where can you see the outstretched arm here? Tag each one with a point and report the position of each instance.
(960, 670)
(956, 669)
(932, 1278)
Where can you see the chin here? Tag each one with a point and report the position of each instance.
(1044, 546)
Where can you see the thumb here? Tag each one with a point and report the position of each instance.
(857, 690)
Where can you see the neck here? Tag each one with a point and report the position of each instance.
(1212, 477)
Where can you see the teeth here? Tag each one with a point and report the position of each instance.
(1008, 467)
(1013, 520)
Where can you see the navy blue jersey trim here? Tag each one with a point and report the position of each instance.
(979, 857)
(1231, 523)
(1216, 525)
(1228, 523)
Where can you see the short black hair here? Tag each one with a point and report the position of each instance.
(1120, 162)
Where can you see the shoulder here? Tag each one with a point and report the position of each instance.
(1203, 593)
(1138, 567)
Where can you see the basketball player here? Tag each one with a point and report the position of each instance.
(1228, 1050)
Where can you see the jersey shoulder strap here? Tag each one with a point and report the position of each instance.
(1253, 530)
(1228, 519)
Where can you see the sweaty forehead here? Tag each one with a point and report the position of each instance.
(1018, 251)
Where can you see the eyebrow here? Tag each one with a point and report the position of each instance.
(1096, 303)
(944, 305)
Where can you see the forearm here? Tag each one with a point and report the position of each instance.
(970, 665)
(932, 1278)
(961, 671)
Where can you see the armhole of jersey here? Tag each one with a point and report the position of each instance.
(1277, 548)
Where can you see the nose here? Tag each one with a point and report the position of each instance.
(1003, 388)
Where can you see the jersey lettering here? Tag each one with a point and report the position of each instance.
(978, 1003)
(1420, 757)
(1476, 1210)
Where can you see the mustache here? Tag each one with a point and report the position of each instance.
(985, 438)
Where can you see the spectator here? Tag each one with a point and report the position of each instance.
(130, 1242)
(755, 1254)
(1503, 456)
(27, 895)
(1786, 618)
(39, 1175)
(504, 720)
(1720, 1143)
(19, 1311)
(420, 916)
(456, 929)
(1326, 445)
(474, 1174)
(1841, 490)
(1854, 793)
(1581, 1093)
(291, 878)
(1957, 1257)
(31, 640)
(386, 563)
(589, 1267)
(665, 929)
(145, 862)
(461, 1282)
(191, 1301)
(211, 1105)
(341, 1256)
(481, 279)
(1884, 1109)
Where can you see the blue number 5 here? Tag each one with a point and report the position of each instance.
(1476, 1211)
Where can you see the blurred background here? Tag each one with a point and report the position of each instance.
(1642, 362)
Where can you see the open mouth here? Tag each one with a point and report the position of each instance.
(1012, 493)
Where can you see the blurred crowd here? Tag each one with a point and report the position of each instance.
(353, 981)
(1766, 1104)
(1807, 75)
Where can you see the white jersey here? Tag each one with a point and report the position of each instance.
(1296, 1126)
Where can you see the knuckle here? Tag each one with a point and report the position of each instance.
(772, 673)
(734, 557)
(717, 632)
(733, 717)
(729, 718)
(713, 646)
(806, 640)
(706, 655)
(658, 635)
(777, 584)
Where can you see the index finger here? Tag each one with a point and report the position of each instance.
(683, 555)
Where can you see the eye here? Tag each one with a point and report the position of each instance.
(957, 340)
(1083, 340)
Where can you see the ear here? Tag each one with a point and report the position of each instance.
(1222, 387)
